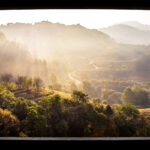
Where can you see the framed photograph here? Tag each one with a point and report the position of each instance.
(74, 74)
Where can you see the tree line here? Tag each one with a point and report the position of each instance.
(77, 116)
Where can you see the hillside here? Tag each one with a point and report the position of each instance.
(128, 34)
(16, 59)
(137, 25)
(48, 41)
(45, 39)
(68, 50)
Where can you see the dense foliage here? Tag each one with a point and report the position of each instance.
(25, 110)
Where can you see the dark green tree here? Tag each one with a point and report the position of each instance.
(34, 124)
(21, 108)
(79, 96)
(108, 110)
(126, 120)
(128, 96)
(38, 84)
(9, 124)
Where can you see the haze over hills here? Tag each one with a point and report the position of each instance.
(45, 39)
(52, 47)
(17, 60)
(129, 33)
(67, 50)
(137, 25)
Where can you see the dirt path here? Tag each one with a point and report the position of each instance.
(78, 82)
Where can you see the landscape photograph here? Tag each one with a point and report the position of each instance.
(74, 73)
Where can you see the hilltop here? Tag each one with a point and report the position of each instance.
(45, 39)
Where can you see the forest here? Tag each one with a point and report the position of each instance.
(27, 109)
(61, 80)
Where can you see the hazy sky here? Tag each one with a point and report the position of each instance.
(90, 18)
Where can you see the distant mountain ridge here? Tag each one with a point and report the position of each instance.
(129, 33)
(137, 25)
(71, 46)
(46, 38)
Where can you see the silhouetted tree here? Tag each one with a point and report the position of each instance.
(79, 96)
(108, 110)
(20, 81)
(38, 83)
(6, 78)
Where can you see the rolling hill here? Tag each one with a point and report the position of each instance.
(44, 47)
(127, 34)
(137, 25)
(45, 39)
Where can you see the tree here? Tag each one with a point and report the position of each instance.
(54, 84)
(9, 124)
(35, 123)
(126, 120)
(38, 83)
(20, 81)
(128, 96)
(5, 78)
(80, 96)
(21, 109)
(114, 98)
(56, 124)
(96, 100)
(136, 96)
(141, 96)
(55, 117)
(89, 89)
(80, 120)
(105, 93)
(29, 83)
(143, 127)
(128, 110)
(7, 99)
(100, 108)
(108, 110)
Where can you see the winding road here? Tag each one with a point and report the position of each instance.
(78, 82)
(95, 66)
